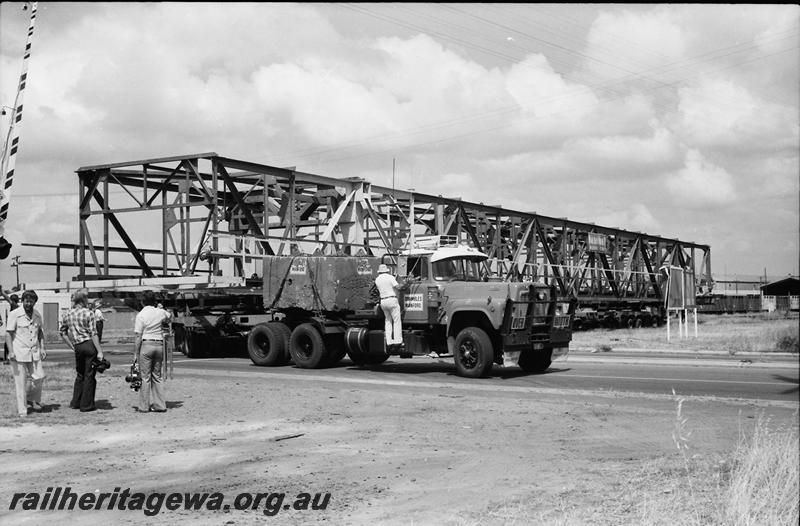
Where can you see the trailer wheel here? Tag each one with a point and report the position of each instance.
(196, 344)
(265, 345)
(307, 347)
(473, 354)
(536, 361)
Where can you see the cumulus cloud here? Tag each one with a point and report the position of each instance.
(541, 91)
(635, 217)
(624, 152)
(719, 113)
(700, 183)
(625, 44)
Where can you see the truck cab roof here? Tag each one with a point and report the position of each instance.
(443, 253)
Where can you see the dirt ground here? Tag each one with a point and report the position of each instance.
(388, 453)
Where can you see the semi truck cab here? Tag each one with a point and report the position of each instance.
(450, 305)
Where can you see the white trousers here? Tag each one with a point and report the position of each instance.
(28, 379)
(393, 326)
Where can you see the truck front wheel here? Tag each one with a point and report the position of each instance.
(473, 353)
(536, 361)
(266, 345)
(307, 347)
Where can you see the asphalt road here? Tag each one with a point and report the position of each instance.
(657, 375)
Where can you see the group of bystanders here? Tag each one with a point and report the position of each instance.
(81, 329)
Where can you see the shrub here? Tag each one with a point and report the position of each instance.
(787, 341)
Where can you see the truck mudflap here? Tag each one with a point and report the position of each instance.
(560, 353)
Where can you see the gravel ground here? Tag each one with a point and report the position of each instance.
(386, 454)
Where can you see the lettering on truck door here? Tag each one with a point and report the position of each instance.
(415, 308)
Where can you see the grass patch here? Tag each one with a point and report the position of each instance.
(733, 334)
(755, 485)
(764, 484)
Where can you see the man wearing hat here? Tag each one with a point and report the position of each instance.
(25, 338)
(388, 288)
(13, 303)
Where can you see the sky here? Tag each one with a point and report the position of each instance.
(675, 120)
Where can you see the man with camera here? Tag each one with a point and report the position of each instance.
(149, 353)
(25, 340)
(79, 331)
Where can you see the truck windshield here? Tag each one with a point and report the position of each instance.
(457, 270)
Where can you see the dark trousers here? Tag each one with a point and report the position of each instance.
(99, 326)
(85, 382)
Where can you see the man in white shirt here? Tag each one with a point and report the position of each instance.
(149, 352)
(389, 288)
(25, 340)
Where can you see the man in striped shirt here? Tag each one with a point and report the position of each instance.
(79, 331)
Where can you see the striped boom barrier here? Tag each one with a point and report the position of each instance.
(11, 146)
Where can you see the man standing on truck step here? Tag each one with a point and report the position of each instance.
(393, 327)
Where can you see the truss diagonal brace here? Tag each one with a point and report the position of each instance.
(651, 274)
(468, 227)
(245, 210)
(549, 256)
(125, 238)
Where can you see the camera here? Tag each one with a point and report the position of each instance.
(134, 378)
(100, 365)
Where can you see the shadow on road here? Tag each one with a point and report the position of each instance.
(445, 367)
(788, 380)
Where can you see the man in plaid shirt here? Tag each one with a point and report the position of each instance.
(79, 331)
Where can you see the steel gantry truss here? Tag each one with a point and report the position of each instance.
(214, 214)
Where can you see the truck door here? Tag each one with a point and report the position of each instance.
(415, 299)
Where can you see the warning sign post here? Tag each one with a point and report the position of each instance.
(680, 299)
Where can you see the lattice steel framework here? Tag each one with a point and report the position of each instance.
(212, 209)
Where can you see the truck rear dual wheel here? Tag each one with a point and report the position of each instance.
(267, 344)
(307, 347)
(473, 353)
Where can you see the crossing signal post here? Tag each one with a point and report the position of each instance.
(11, 146)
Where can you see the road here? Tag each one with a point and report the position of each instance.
(655, 376)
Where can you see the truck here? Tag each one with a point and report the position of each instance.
(317, 309)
